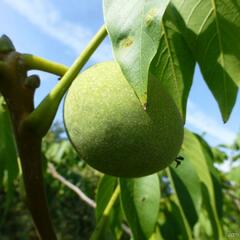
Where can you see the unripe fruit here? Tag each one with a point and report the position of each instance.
(110, 129)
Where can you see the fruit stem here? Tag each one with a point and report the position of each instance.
(33, 62)
(104, 219)
(48, 107)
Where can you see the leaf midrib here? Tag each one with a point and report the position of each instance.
(171, 59)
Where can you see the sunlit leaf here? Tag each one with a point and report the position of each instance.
(134, 31)
(156, 235)
(203, 229)
(174, 64)
(105, 189)
(104, 192)
(214, 37)
(140, 201)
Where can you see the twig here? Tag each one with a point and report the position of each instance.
(235, 199)
(126, 229)
(52, 170)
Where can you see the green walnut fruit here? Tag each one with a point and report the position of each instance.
(111, 130)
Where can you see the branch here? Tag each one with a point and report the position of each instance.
(33, 62)
(30, 124)
(18, 90)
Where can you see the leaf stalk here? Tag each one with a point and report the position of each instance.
(104, 219)
(48, 107)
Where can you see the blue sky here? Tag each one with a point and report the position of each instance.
(59, 30)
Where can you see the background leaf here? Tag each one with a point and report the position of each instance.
(175, 225)
(140, 201)
(111, 229)
(188, 189)
(196, 154)
(134, 31)
(215, 176)
(214, 37)
(8, 152)
(177, 211)
(104, 192)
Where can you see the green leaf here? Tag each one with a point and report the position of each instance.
(116, 221)
(102, 230)
(6, 44)
(211, 212)
(203, 228)
(134, 31)
(174, 64)
(188, 189)
(236, 157)
(217, 185)
(234, 175)
(214, 36)
(236, 144)
(178, 212)
(175, 225)
(196, 153)
(104, 192)
(140, 201)
(156, 235)
(8, 153)
(219, 156)
(168, 221)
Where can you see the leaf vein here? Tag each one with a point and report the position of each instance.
(192, 11)
(210, 42)
(160, 56)
(171, 59)
(205, 20)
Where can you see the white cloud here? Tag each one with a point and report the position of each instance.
(205, 123)
(46, 16)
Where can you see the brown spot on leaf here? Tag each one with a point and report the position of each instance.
(150, 17)
(126, 42)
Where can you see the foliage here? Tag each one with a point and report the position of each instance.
(156, 43)
(181, 198)
(204, 32)
(72, 217)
